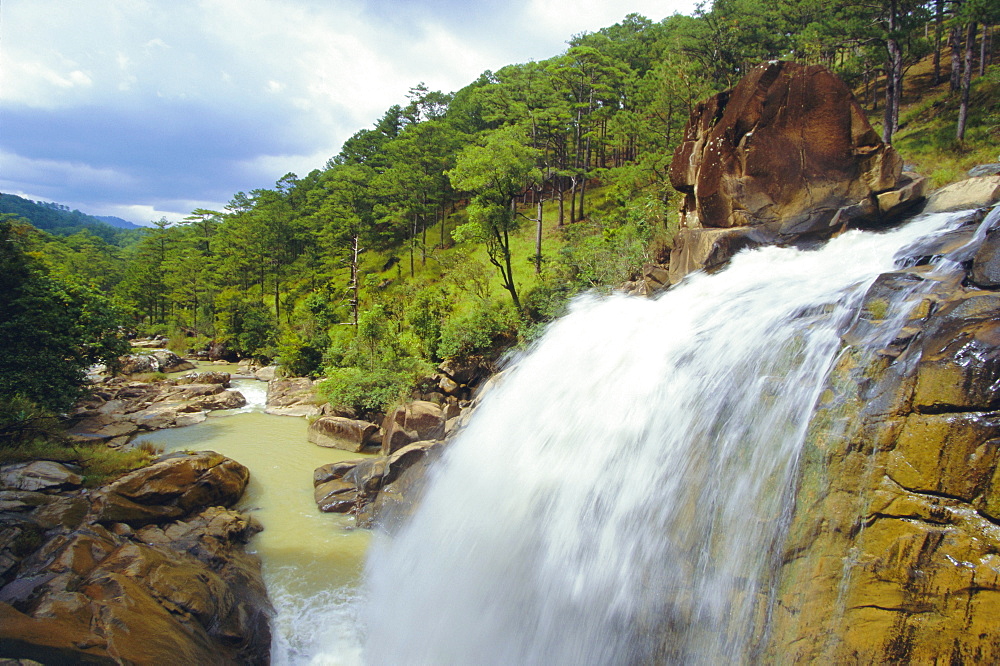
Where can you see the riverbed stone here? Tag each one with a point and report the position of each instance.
(412, 422)
(342, 433)
(968, 193)
(891, 555)
(170, 488)
(177, 591)
(39, 475)
(292, 396)
(209, 377)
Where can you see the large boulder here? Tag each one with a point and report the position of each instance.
(969, 193)
(294, 396)
(342, 433)
(174, 486)
(353, 485)
(412, 422)
(789, 153)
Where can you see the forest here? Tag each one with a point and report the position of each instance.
(460, 222)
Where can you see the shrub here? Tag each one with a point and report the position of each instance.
(486, 330)
(365, 392)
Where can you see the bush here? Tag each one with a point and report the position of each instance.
(365, 392)
(486, 330)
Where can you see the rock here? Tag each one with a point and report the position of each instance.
(139, 364)
(157, 360)
(991, 169)
(211, 377)
(39, 475)
(402, 487)
(710, 249)
(266, 374)
(292, 397)
(986, 262)
(178, 591)
(224, 400)
(970, 193)
(342, 433)
(891, 555)
(787, 152)
(414, 421)
(352, 485)
(171, 488)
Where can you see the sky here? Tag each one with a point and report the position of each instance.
(145, 109)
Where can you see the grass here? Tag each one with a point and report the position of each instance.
(100, 464)
(928, 119)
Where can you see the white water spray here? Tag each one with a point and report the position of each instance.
(621, 495)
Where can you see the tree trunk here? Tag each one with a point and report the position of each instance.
(538, 237)
(963, 109)
(353, 286)
(572, 200)
(562, 202)
(956, 58)
(413, 242)
(893, 80)
(982, 50)
(938, 29)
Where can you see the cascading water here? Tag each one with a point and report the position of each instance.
(622, 493)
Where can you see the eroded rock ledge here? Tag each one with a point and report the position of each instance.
(894, 550)
(147, 570)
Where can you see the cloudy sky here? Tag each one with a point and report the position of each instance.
(151, 108)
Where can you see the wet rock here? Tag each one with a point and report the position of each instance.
(986, 262)
(891, 555)
(211, 377)
(352, 485)
(343, 433)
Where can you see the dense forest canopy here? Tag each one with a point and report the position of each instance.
(460, 221)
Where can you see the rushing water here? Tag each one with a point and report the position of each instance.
(312, 561)
(620, 496)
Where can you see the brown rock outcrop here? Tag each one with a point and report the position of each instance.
(893, 555)
(351, 486)
(787, 153)
(412, 422)
(343, 433)
(78, 587)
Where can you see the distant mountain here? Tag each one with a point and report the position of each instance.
(60, 220)
(118, 222)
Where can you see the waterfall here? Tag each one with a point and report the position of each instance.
(621, 495)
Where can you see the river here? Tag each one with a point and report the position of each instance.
(312, 561)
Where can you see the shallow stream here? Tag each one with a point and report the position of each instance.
(312, 561)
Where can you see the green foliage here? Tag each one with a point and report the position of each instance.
(365, 391)
(99, 463)
(426, 317)
(51, 329)
(23, 422)
(480, 331)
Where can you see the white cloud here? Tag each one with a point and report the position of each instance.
(53, 173)
(291, 76)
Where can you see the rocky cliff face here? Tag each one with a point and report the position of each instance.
(894, 550)
(786, 155)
